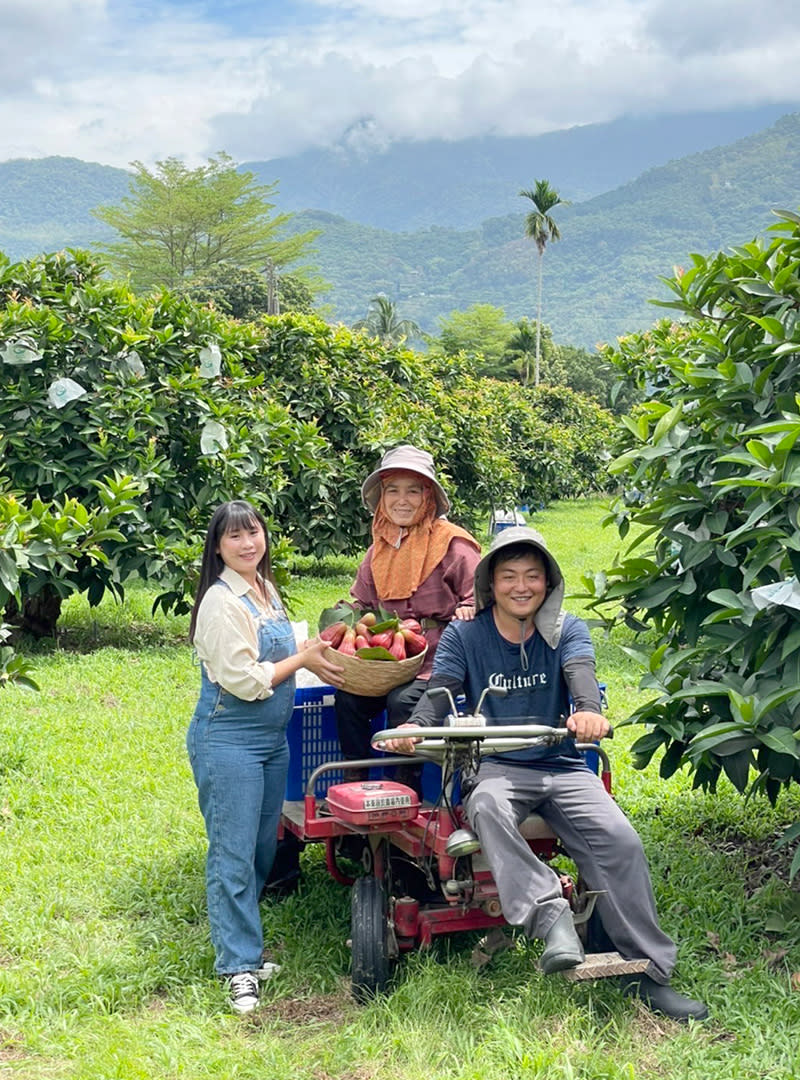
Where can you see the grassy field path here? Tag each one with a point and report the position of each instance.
(105, 959)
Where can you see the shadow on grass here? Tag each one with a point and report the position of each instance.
(331, 566)
(87, 635)
(163, 901)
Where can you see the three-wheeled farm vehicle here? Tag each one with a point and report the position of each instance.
(422, 870)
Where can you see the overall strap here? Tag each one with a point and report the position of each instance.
(248, 603)
(251, 607)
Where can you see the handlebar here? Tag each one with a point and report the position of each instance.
(502, 738)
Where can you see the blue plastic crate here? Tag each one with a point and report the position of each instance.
(505, 519)
(312, 738)
(313, 741)
(432, 783)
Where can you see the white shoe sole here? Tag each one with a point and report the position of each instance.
(240, 1008)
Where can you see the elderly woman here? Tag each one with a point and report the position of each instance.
(419, 566)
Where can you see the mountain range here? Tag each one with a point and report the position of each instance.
(601, 275)
(439, 226)
(410, 185)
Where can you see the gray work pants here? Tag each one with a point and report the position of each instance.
(595, 834)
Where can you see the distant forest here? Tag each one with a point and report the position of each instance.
(601, 275)
(598, 278)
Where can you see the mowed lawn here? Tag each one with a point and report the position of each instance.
(105, 958)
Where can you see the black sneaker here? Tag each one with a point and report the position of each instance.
(243, 989)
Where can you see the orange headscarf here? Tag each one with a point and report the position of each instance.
(402, 558)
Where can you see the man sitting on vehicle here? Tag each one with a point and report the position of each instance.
(521, 639)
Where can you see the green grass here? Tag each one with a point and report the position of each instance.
(105, 959)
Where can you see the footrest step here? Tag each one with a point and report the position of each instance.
(603, 966)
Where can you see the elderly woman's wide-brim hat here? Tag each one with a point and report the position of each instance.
(409, 459)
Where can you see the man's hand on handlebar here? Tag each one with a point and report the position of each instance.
(400, 746)
(588, 726)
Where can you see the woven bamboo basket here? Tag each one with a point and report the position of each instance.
(371, 678)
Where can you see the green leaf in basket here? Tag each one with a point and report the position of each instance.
(375, 652)
(341, 612)
(387, 624)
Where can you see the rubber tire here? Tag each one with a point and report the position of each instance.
(369, 931)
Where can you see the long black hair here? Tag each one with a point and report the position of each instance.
(228, 517)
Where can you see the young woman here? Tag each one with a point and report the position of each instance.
(237, 737)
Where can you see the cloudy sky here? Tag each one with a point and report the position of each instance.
(118, 80)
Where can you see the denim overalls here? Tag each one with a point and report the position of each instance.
(240, 757)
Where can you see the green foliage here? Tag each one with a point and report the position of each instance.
(482, 332)
(383, 322)
(485, 436)
(245, 294)
(49, 552)
(13, 667)
(196, 408)
(540, 225)
(505, 350)
(501, 444)
(296, 293)
(542, 228)
(154, 402)
(521, 349)
(60, 547)
(177, 223)
(589, 373)
(712, 476)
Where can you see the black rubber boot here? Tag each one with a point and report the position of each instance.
(661, 998)
(563, 948)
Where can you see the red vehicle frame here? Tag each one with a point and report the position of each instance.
(423, 872)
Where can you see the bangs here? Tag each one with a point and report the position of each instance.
(239, 515)
(523, 550)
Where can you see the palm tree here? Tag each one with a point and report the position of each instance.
(382, 322)
(540, 228)
(522, 345)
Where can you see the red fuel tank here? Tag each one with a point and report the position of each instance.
(372, 802)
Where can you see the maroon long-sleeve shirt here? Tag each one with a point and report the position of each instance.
(446, 588)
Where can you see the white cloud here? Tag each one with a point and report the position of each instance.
(113, 81)
(41, 38)
(687, 28)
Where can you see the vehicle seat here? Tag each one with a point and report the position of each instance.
(534, 827)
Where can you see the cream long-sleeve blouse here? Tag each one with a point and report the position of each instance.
(226, 637)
